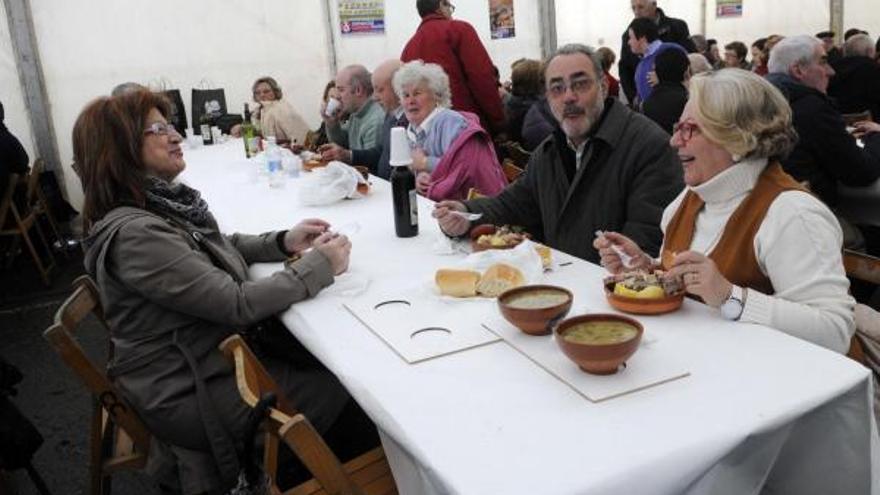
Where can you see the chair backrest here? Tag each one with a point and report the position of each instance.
(6, 198)
(511, 171)
(861, 266)
(33, 180)
(284, 423)
(852, 118)
(84, 301)
(517, 153)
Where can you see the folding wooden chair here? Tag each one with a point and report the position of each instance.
(863, 267)
(17, 223)
(367, 474)
(38, 204)
(119, 439)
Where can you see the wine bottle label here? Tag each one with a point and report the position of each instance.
(206, 132)
(413, 208)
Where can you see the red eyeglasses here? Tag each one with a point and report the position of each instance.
(685, 130)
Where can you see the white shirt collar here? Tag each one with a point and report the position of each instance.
(732, 182)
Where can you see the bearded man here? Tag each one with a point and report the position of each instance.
(605, 167)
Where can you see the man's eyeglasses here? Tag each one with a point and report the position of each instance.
(160, 129)
(685, 130)
(579, 85)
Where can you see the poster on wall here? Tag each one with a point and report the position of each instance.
(362, 16)
(501, 22)
(728, 8)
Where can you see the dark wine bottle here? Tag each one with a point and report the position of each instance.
(403, 191)
(205, 127)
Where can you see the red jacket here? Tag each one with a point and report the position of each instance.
(455, 46)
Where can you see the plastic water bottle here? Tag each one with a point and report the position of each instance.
(273, 164)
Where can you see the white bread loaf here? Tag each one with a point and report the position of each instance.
(457, 283)
(499, 278)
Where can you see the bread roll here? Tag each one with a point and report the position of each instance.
(499, 278)
(457, 283)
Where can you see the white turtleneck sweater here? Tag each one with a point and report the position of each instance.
(798, 247)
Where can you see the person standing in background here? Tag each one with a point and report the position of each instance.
(13, 157)
(455, 46)
(669, 30)
(608, 57)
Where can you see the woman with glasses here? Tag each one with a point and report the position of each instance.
(173, 287)
(452, 153)
(744, 236)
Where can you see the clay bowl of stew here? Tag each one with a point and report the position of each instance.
(599, 343)
(535, 309)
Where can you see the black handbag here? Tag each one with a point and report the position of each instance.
(207, 101)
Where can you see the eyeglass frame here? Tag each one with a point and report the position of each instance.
(685, 130)
(579, 84)
(160, 129)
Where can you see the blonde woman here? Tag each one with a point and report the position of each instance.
(743, 235)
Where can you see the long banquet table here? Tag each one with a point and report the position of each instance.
(759, 409)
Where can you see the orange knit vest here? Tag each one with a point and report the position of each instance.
(735, 253)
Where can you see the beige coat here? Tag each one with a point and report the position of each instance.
(169, 308)
(278, 118)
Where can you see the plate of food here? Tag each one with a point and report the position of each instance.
(488, 236)
(644, 293)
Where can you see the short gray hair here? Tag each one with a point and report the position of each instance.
(699, 63)
(360, 77)
(574, 49)
(418, 72)
(794, 50)
(859, 45)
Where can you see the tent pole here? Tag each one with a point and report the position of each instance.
(33, 83)
(331, 38)
(547, 18)
(836, 20)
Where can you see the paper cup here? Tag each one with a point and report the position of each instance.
(332, 105)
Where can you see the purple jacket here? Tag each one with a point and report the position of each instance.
(469, 162)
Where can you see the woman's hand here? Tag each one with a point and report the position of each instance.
(303, 234)
(423, 182)
(452, 224)
(610, 259)
(337, 249)
(701, 277)
(420, 161)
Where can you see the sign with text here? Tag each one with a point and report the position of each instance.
(728, 8)
(361, 16)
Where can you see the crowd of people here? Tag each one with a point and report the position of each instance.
(715, 168)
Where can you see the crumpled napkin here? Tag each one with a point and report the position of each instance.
(330, 184)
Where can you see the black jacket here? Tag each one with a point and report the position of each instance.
(538, 123)
(670, 29)
(13, 157)
(516, 109)
(856, 86)
(825, 153)
(628, 175)
(665, 104)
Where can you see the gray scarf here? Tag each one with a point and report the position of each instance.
(178, 200)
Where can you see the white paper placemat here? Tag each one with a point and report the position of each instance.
(418, 328)
(651, 365)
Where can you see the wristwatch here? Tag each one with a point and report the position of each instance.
(732, 308)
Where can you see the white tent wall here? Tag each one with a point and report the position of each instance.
(862, 14)
(602, 22)
(402, 20)
(761, 19)
(14, 106)
(89, 47)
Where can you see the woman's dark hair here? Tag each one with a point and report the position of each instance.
(739, 48)
(671, 65)
(107, 140)
(607, 56)
(330, 85)
(273, 84)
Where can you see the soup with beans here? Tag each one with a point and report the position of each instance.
(600, 333)
(538, 299)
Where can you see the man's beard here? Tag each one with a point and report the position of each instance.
(589, 118)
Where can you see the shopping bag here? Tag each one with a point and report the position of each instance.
(207, 101)
(177, 118)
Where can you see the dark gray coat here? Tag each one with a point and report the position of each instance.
(628, 175)
(169, 307)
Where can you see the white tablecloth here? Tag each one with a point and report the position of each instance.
(759, 407)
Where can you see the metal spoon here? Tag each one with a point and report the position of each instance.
(624, 258)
